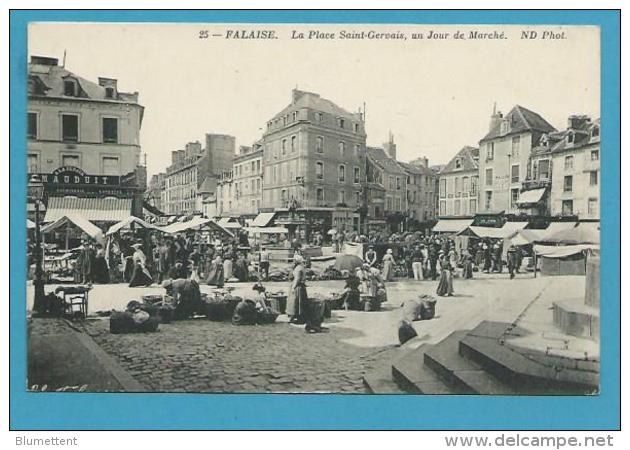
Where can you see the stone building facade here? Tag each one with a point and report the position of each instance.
(459, 184)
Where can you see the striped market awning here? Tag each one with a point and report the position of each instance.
(109, 209)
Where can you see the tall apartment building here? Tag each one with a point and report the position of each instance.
(248, 180)
(459, 183)
(84, 143)
(421, 195)
(504, 154)
(311, 154)
(194, 170)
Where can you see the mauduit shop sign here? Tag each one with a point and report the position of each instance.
(69, 175)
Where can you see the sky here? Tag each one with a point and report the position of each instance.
(434, 95)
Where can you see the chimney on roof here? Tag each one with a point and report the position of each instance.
(421, 161)
(578, 122)
(495, 118)
(44, 61)
(390, 146)
(110, 85)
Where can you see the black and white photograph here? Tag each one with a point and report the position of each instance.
(379, 209)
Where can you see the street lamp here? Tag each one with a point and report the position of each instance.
(36, 193)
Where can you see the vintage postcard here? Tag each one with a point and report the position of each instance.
(322, 208)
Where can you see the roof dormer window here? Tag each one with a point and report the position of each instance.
(109, 92)
(570, 138)
(458, 163)
(505, 127)
(341, 122)
(70, 88)
(595, 132)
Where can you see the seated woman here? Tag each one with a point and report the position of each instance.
(351, 295)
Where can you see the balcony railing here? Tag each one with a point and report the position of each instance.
(535, 184)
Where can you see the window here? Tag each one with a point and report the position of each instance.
(505, 127)
(488, 200)
(33, 163)
(465, 184)
(356, 127)
(258, 166)
(514, 197)
(474, 182)
(458, 163)
(342, 148)
(568, 183)
(319, 170)
(390, 204)
(32, 126)
(341, 122)
(473, 207)
(516, 168)
(69, 88)
(488, 177)
(570, 138)
(357, 175)
(398, 184)
(70, 160)
(357, 198)
(516, 146)
(442, 208)
(320, 117)
(568, 162)
(320, 195)
(567, 207)
(592, 207)
(110, 165)
(543, 169)
(110, 130)
(275, 174)
(490, 151)
(595, 131)
(70, 127)
(283, 195)
(319, 144)
(593, 178)
(109, 92)
(458, 208)
(342, 173)
(293, 143)
(594, 155)
(342, 197)
(443, 187)
(456, 185)
(294, 116)
(283, 147)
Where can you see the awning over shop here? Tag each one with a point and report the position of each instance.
(511, 228)
(130, 222)
(583, 233)
(77, 221)
(555, 227)
(109, 209)
(263, 219)
(525, 237)
(531, 197)
(451, 225)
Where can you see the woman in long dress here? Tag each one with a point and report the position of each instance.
(388, 265)
(467, 269)
(140, 276)
(297, 298)
(228, 267)
(100, 269)
(445, 286)
(215, 274)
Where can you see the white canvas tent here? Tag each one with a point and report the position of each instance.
(130, 222)
(76, 221)
(195, 222)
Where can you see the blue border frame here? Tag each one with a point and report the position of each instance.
(31, 411)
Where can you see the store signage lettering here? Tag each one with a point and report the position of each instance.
(69, 175)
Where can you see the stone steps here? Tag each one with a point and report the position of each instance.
(380, 381)
(460, 372)
(413, 376)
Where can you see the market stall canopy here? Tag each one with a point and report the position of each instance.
(508, 230)
(562, 251)
(228, 222)
(29, 224)
(531, 197)
(451, 225)
(555, 227)
(77, 221)
(130, 222)
(526, 237)
(267, 230)
(108, 209)
(195, 222)
(263, 219)
(583, 233)
(348, 262)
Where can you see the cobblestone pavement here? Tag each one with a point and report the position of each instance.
(204, 356)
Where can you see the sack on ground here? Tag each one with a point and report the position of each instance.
(405, 331)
